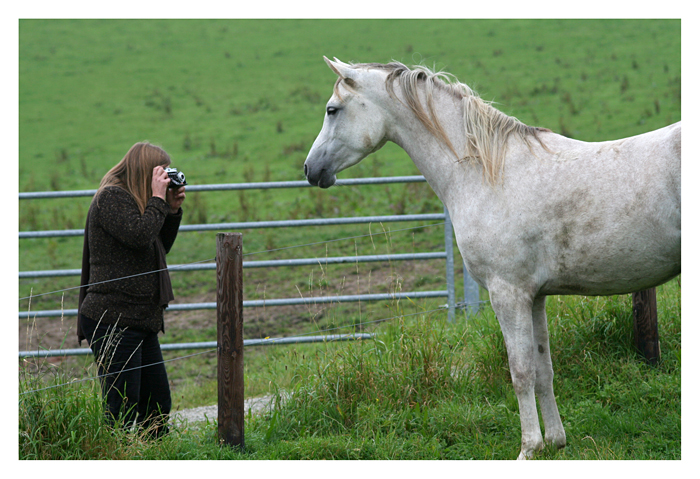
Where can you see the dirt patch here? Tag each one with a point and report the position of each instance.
(196, 415)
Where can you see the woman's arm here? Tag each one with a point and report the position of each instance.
(174, 198)
(168, 232)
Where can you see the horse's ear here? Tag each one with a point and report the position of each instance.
(339, 68)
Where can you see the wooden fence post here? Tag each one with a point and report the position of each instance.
(646, 330)
(229, 335)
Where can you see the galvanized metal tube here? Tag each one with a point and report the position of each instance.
(258, 303)
(311, 222)
(35, 195)
(50, 233)
(305, 184)
(449, 267)
(261, 264)
(259, 224)
(471, 294)
(238, 186)
(51, 273)
(208, 344)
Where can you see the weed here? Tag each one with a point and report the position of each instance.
(246, 211)
(62, 156)
(291, 148)
(249, 174)
(199, 208)
(564, 129)
(55, 181)
(625, 84)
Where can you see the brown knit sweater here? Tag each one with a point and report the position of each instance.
(121, 243)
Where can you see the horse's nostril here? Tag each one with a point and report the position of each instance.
(306, 170)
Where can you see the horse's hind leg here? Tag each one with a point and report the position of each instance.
(554, 431)
(513, 309)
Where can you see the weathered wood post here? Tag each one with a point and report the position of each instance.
(646, 330)
(229, 335)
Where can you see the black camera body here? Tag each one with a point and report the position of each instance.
(177, 178)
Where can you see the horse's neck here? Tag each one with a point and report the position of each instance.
(435, 160)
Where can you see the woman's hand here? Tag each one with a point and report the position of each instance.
(160, 182)
(175, 197)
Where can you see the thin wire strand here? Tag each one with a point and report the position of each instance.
(270, 340)
(212, 259)
(115, 279)
(76, 381)
(341, 239)
(354, 325)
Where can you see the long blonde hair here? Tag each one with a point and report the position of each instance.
(135, 172)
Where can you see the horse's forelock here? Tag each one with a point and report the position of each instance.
(349, 83)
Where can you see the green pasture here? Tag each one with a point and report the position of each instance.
(242, 101)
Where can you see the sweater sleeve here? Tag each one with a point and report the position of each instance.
(168, 232)
(119, 215)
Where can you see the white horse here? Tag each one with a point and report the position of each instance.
(534, 213)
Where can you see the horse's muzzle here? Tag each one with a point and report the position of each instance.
(318, 177)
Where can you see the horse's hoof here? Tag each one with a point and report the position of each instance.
(528, 449)
(524, 457)
(556, 440)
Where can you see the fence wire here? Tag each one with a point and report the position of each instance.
(76, 381)
(267, 340)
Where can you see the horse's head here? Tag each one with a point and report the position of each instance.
(354, 125)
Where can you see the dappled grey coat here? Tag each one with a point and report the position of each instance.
(120, 242)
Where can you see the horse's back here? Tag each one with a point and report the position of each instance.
(673, 136)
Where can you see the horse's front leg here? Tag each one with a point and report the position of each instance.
(513, 309)
(553, 429)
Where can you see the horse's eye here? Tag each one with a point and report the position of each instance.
(331, 110)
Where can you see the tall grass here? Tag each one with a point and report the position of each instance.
(59, 421)
(421, 389)
(68, 422)
(411, 367)
(427, 389)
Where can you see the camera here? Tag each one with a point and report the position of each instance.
(177, 178)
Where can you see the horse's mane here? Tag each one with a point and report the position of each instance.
(487, 130)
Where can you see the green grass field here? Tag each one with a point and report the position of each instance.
(243, 100)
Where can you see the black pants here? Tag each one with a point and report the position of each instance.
(132, 389)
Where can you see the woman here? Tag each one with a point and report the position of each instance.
(131, 224)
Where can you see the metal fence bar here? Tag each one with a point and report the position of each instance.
(260, 264)
(259, 303)
(49, 273)
(50, 233)
(449, 267)
(238, 186)
(471, 293)
(207, 345)
(313, 222)
(259, 224)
